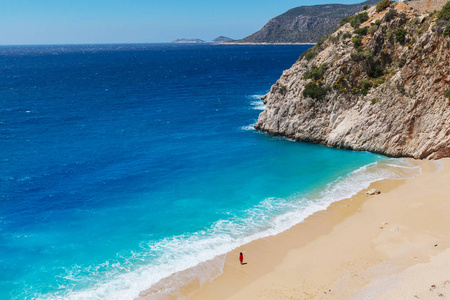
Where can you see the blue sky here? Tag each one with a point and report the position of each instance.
(136, 21)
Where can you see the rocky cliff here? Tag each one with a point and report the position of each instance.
(379, 83)
(304, 24)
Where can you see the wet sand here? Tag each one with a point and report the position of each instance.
(395, 245)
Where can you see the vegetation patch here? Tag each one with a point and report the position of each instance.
(390, 15)
(400, 35)
(444, 14)
(376, 69)
(312, 52)
(447, 94)
(366, 7)
(373, 28)
(315, 91)
(308, 54)
(383, 5)
(355, 20)
(447, 30)
(361, 31)
(358, 19)
(345, 20)
(346, 35)
(356, 42)
(316, 73)
(320, 42)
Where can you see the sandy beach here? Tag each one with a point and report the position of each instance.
(395, 245)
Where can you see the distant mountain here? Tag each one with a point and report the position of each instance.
(221, 39)
(304, 24)
(188, 41)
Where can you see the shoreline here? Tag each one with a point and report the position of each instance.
(241, 282)
(353, 248)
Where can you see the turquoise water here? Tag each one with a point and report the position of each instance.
(121, 164)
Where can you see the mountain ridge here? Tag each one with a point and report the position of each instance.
(304, 24)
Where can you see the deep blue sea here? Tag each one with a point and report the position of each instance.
(121, 164)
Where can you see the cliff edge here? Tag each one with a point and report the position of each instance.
(379, 83)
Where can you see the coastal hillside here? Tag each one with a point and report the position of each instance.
(304, 24)
(221, 39)
(379, 83)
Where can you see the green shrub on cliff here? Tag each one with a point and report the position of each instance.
(447, 30)
(345, 20)
(308, 54)
(383, 5)
(316, 73)
(358, 19)
(361, 31)
(376, 69)
(444, 14)
(373, 28)
(356, 42)
(346, 35)
(400, 35)
(447, 94)
(315, 91)
(390, 15)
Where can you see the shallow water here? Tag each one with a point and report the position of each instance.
(121, 164)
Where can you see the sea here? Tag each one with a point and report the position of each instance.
(123, 164)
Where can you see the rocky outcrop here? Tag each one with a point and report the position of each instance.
(373, 192)
(381, 86)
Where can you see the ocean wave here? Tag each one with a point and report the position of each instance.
(249, 127)
(257, 103)
(180, 260)
(255, 97)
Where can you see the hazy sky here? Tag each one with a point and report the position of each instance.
(136, 21)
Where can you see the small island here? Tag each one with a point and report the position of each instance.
(190, 41)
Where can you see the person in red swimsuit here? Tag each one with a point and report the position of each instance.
(241, 258)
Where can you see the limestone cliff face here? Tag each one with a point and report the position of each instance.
(384, 88)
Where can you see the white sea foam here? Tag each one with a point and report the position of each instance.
(255, 97)
(271, 216)
(250, 127)
(257, 103)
